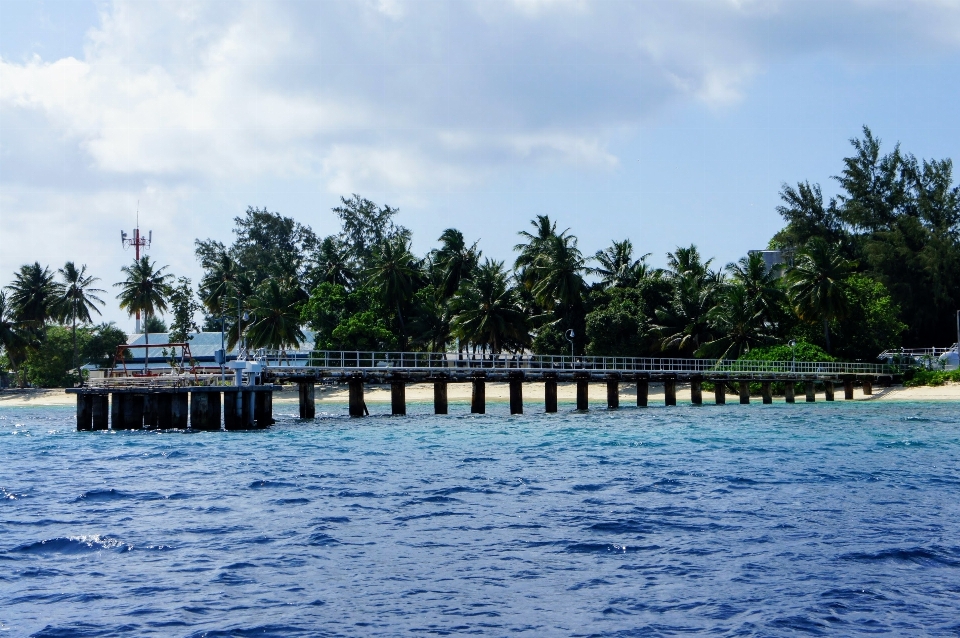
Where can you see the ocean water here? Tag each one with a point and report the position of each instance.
(824, 519)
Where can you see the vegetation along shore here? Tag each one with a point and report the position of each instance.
(877, 267)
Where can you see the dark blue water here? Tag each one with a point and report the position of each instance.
(826, 519)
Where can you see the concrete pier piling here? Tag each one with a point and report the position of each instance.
(867, 385)
(583, 392)
(100, 411)
(478, 399)
(719, 392)
(440, 397)
(696, 390)
(766, 392)
(643, 389)
(789, 390)
(357, 405)
(516, 393)
(744, 392)
(550, 394)
(84, 412)
(613, 392)
(828, 390)
(848, 389)
(810, 387)
(308, 405)
(398, 397)
(670, 390)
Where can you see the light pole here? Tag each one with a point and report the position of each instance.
(793, 349)
(569, 334)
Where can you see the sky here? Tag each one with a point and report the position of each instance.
(669, 123)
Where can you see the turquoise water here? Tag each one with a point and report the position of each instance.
(824, 519)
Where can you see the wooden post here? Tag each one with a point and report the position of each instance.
(696, 390)
(867, 387)
(150, 410)
(164, 404)
(670, 391)
(308, 406)
(100, 411)
(789, 390)
(766, 393)
(84, 412)
(550, 395)
(439, 397)
(478, 399)
(744, 392)
(357, 406)
(828, 390)
(719, 392)
(643, 389)
(583, 394)
(613, 392)
(516, 395)
(848, 389)
(811, 389)
(398, 397)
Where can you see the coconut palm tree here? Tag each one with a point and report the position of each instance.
(145, 290)
(487, 311)
(618, 268)
(762, 284)
(531, 251)
(684, 322)
(332, 263)
(79, 298)
(558, 273)
(34, 296)
(393, 273)
(218, 283)
(739, 323)
(455, 260)
(14, 339)
(817, 284)
(275, 310)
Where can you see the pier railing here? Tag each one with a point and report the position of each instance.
(291, 362)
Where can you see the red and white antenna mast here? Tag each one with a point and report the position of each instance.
(138, 241)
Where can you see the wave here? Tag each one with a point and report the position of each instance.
(73, 545)
(917, 555)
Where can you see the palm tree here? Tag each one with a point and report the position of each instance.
(684, 323)
(34, 296)
(455, 260)
(218, 283)
(276, 314)
(739, 321)
(14, 339)
(393, 273)
(817, 284)
(617, 266)
(333, 264)
(558, 272)
(530, 252)
(762, 284)
(486, 310)
(145, 290)
(78, 300)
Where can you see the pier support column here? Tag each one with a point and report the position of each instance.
(84, 412)
(478, 399)
(613, 392)
(357, 406)
(308, 406)
(133, 412)
(180, 410)
(550, 395)
(696, 390)
(828, 390)
(810, 387)
(150, 410)
(231, 413)
(719, 392)
(848, 389)
(100, 411)
(766, 393)
(261, 413)
(789, 389)
(439, 397)
(867, 387)
(248, 409)
(643, 389)
(583, 394)
(116, 410)
(744, 392)
(670, 391)
(201, 417)
(164, 403)
(398, 398)
(516, 395)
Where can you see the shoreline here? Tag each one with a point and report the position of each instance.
(533, 393)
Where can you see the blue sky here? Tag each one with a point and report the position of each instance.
(666, 122)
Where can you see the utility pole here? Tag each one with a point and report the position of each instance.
(138, 241)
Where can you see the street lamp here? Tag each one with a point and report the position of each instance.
(793, 349)
(569, 334)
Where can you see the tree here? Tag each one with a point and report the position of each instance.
(219, 280)
(34, 296)
(276, 315)
(146, 289)
(393, 273)
(738, 323)
(683, 322)
(269, 245)
(348, 320)
(365, 226)
(617, 267)
(817, 284)
(78, 300)
(455, 260)
(617, 326)
(101, 345)
(14, 339)
(762, 285)
(331, 263)
(184, 306)
(807, 217)
(487, 311)
(430, 322)
(871, 324)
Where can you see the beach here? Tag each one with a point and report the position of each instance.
(500, 393)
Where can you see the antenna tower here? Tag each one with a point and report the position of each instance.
(138, 241)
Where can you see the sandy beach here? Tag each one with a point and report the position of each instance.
(500, 393)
